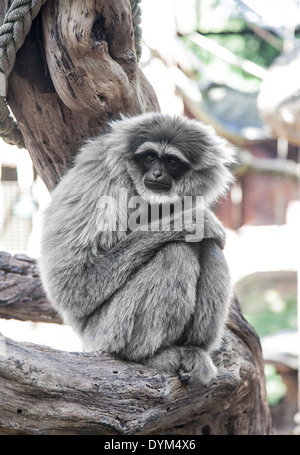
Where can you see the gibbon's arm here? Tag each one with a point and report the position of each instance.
(114, 268)
(140, 246)
(214, 297)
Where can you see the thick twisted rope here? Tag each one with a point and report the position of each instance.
(15, 27)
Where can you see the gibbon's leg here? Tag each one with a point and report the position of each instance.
(166, 360)
(208, 321)
(151, 311)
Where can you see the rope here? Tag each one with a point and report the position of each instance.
(136, 12)
(16, 25)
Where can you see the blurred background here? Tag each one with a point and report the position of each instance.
(235, 65)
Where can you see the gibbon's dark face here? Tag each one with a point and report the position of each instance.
(171, 157)
(160, 170)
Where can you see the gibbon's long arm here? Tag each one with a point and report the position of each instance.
(214, 296)
(111, 270)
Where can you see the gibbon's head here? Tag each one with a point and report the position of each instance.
(170, 157)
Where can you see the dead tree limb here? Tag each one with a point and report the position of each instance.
(107, 396)
(21, 294)
(93, 393)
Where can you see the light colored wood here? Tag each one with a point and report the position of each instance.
(90, 52)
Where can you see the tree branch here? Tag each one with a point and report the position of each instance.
(126, 398)
(93, 393)
(21, 293)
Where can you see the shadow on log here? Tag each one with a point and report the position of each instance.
(76, 70)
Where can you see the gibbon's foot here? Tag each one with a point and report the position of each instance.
(193, 365)
(197, 367)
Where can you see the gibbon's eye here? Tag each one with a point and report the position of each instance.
(173, 163)
(149, 158)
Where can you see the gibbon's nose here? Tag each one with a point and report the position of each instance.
(157, 173)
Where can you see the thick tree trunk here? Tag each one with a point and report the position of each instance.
(77, 70)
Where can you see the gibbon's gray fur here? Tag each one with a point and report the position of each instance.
(149, 297)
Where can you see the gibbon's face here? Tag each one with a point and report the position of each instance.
(168, 158)
(160, 167)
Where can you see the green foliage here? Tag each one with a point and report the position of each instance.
(269, 303)
(224, 25)
(276, 389)
(246, 45)
(271, 318)
(274, 315)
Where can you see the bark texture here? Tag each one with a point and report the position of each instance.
(80, 393)
(77, 70)
(21, 293)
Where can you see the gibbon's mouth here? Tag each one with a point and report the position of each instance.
(158, 187)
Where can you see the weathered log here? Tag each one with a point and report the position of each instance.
(127, 398)
(93, 393)
(91, 57)
(61, 95)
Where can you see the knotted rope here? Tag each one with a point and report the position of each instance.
(15, 27)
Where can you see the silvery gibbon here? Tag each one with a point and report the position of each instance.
(141, 294)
